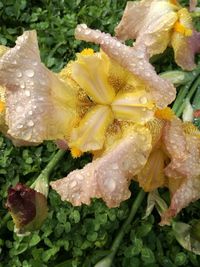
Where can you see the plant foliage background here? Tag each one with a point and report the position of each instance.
(75, 237)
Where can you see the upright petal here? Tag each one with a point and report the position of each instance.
(150, 23)
(181, 40)
(134, 60)
(133, 19)
(108, 177)
(135, 106)
(39, 106)
(91, 73)
(90, 134)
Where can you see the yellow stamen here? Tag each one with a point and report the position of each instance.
(75, 152)
(2, 106)
(178, 27)
(165, 114)
(87, 52)
(174, 2)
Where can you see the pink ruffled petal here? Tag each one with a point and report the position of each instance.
(132, 59)
(193, 4)
(108, 177)
(132, 20)
(188, 192)
(39, 106)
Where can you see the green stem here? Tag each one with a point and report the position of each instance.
(189, 96)
(107, 261)
(184, 91)
(196, 100)
(44, 175)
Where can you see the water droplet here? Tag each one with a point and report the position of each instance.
(30, 112)
(29, 73)
(111, 185)
(30, 123)
(19, 108)
(19, 74)
(19, 126)
(27, 93)
(22, 85)
(143, 100)
(73, 184)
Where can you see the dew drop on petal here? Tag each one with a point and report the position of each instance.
(29, 73)
(143, 100)
(30, 123)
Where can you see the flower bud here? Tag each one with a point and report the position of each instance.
(28, 208)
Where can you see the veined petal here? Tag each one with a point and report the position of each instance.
(184, 151)
(188, 192)
(108, 177)
(136, 106)
(181, 41)
(134, 60)
(133, 19)
(39, 106)
(90, 134)
(91, 73)
(152, 175)
(150, 23)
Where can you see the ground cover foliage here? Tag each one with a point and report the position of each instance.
(76, 237)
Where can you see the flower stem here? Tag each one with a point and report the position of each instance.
(107, 261)
(179, 102)
(41, 184)
(188, 96)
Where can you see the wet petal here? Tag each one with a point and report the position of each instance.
(188, 192)
(184, 151)
(135, 106)
(39, 106)
(108, 177)
(152, 175)
(181, 43)
(132, 20)
(156, 19)
(91, 73)
(90, 134)
(134, 60)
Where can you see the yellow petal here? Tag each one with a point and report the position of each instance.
(91, 73)
(180, 41)
(90, 134)
(136, 107)
(156, 30)
(152, 175)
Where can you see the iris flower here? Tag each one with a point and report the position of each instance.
(156, 24)
(174, 161)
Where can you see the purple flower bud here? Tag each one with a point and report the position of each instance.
(28, 208)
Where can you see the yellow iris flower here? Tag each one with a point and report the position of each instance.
(157, 24)
(112, 96)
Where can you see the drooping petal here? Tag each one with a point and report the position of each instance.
(134, 106)
(184, 151)
(181, 41)
(39, 106)
(156, 19)
(108, 177)
(132, 59)
(152, 175)
(90, 134)
(91, 73)
(188, 192)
